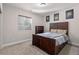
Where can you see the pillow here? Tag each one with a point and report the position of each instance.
(53, 30)
(61, 31)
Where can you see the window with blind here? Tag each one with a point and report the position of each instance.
(24, 22)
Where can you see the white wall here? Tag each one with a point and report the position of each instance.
(12, 34)
(0, 25)
(10, 29)
(0, 22)
(73, 23)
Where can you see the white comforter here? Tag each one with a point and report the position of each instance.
(60, 38)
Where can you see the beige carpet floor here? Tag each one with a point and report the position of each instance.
(26, 48)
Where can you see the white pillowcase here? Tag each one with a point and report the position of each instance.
(53, 30)
(61, 31)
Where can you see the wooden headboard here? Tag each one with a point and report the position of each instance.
(59, 25)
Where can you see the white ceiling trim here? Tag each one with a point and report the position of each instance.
(34, 7)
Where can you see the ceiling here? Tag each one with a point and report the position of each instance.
(34, 7)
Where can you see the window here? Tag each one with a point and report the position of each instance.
(24, 22)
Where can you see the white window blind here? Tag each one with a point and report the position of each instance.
(24, 22)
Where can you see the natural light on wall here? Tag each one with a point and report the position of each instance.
(24, 22)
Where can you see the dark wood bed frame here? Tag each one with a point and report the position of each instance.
(49, 45)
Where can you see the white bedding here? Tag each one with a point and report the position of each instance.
(60, 38)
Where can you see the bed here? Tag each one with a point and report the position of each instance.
(48, 41)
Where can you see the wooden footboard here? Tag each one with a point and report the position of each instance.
(47, 44)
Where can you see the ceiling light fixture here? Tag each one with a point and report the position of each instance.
(42, 4)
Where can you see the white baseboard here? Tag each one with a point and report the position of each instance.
(13, 43)
(74, 44)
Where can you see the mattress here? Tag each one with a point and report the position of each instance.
(60, 38)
